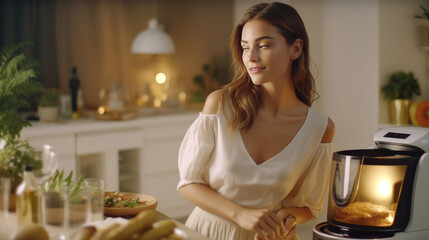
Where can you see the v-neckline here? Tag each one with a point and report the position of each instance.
(281, 151)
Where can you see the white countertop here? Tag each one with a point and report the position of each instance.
(84, 125)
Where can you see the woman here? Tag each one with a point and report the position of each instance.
(256, 160)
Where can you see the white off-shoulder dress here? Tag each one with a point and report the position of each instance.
(297, 176)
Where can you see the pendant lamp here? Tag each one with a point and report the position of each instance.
(153, 40)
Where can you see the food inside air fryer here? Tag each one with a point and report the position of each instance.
(365, 213)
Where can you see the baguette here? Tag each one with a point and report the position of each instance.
(160, 230)
(85, 233)
(141, 222)
(173, 236)
(99, 235)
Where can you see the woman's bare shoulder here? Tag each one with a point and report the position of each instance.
(211, 106)
(329, 132)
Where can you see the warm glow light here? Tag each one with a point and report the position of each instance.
(384, 188)
(101, 110)
(182, 97)
(163, 97)
(142, 100)
(157, 103)
(160, 78)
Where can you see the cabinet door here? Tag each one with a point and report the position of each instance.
(159, 170)
(170, 202)
(98, 153)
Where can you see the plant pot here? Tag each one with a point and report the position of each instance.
(399, 111)
(48, 113)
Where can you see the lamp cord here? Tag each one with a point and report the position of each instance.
(154, 8)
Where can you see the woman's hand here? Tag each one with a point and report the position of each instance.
(289, 224)
(265, 223)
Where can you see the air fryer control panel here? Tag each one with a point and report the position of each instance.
(404, 136)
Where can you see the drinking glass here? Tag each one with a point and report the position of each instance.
(64, 210)
(49, 164)
(4, 206)
(77, 207)
(65, 107)
(4, 197)
(53, 202)
(95, 188)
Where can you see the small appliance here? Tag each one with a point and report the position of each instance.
(380, 192)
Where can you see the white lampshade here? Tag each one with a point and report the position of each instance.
(153, 40)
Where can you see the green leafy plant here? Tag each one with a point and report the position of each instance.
(17, 82)
(50, 98)
(214, 74)
(424, 15)
(54, 187)
(401, 85)
(13, 157)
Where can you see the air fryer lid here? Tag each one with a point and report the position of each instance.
(347, 167)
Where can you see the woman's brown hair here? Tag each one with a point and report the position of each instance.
(243, 95)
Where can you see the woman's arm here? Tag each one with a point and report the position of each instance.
(301, 214)
(256, 220)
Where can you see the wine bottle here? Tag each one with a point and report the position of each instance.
(74, 88)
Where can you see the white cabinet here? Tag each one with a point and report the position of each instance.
(159, 170)
(98, 153)
(64, 145)
(137, 155)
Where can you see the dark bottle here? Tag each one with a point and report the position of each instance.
(74, 87)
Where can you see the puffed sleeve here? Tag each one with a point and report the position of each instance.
(196, 148)
(315, 182)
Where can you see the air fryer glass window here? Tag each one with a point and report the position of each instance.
(374, 199)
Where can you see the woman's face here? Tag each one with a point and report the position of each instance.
(266, 55)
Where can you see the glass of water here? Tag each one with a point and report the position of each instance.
(95, 187)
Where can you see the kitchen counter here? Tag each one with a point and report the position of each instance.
(90, 124)
(11, 228)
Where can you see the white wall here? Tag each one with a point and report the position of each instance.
(350, 70)
(401, 39)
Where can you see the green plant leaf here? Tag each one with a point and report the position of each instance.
(14, 156)
(199, 80)
(401, 85)
(206, 68)
(17, 82)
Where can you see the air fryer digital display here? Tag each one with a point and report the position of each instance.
(397, 135)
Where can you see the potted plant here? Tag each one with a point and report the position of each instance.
(424, 15)
(399, 90)
(48, 106)
(214, 75)
(17, 83)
